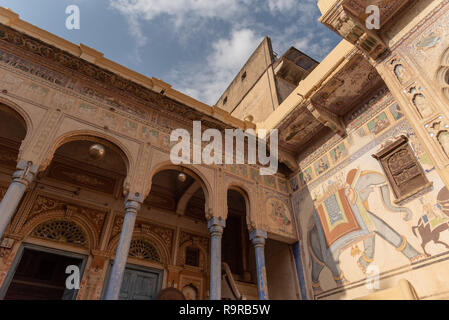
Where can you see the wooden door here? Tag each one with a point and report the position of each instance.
(140, 285)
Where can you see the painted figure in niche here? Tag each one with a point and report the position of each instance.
(361, 132)
(434, 221)
(342, 218)
(270, 181)
(306, 176)
(396, 112)
(322, 165)
(400, 73)
(421, 105)
(294, 184)
(279, 213)
(443, 139)
(338, 153)
(379, 123)
(282, 185)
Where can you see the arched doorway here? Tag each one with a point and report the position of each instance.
(179, 197)
(237, 251)
(71, 200)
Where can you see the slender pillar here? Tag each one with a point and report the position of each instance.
(258, 238)
(121, 255)
(302, 284)
(216, 226)
(21, 179)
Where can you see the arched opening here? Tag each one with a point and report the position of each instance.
(87, 164)
(236, 249)
(178, 191)
(84, 177)
(13, 131)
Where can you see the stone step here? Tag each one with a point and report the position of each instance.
(248, 290)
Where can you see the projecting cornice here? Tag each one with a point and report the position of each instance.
(90, 63)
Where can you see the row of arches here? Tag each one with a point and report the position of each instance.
(194, 192)
(19, 129)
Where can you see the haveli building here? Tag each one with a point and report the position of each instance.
(361, 193)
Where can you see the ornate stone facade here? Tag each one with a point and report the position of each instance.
(383, 93)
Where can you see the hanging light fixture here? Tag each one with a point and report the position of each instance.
(97, 151)
(182, 177)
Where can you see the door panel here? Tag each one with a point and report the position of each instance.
(126, 285)
(140, 285)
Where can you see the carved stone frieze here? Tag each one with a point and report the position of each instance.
(92, 81)
(43, 204)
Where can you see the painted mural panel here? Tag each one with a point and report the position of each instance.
(350, 223)
(426, 45)
(279, 218)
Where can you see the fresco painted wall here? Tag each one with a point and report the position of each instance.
(350, 226)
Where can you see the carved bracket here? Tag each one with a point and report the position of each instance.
(342, 21)
(327, 118)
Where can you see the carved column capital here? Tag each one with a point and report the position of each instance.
(132, 207)
(258, 237)
(26, 173)
(216, 226)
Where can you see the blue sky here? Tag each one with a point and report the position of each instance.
(198, 46)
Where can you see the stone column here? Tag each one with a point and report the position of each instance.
(216, 226)
(258, 238)
(121, 255)
(299, 271)
(21, 179)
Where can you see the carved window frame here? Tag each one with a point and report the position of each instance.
(403, 185)
(443, 73)
(192, 256)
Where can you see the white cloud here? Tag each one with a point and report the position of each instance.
(282, 5)
(305, 8)
(317, 48)
(189, 20)
(149, 9)
(208, 80)
(179, 11)
(186, 16)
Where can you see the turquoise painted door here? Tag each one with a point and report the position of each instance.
(139, 285)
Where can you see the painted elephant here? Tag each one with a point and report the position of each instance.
(342, 217)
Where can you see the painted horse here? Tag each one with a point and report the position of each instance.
(427, 230)
(342, 218)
